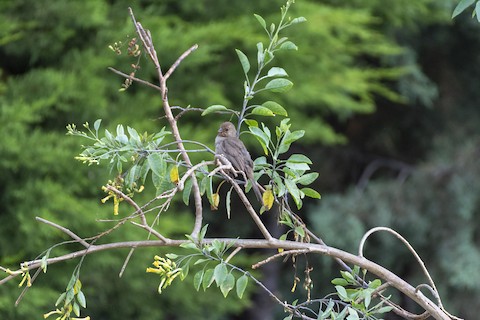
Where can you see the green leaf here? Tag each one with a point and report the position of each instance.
(261, 21)
(261, 137)
(197, 279)
(298, 20)
(280, 187)
(69, 297)
(352, 314)
(293, 136)
(341, 315)
(220, 273)
(71, 282)
(132, 175)
(76, 309)
(251, 122)
(477, 11)
(268, 56)
(120, 130)
(210, 191)
(261, 161)
(375, 284)
(284, 125)
(299, 158)
(277, 72)
(294, 192)
(208, 279)
(279, 85)
(325, 314)
(309, 192)
(461, 6)
(44, 264)
(241, 285)
(262, 111)
(96, 124)
(340, 282)
(218, 247)
(214, 108)
(267, 131)
(275, 108)
(308, 178)
(288, 45)
(189, 245)
(203, 185)
(260, 53)
(244, 61)
(81, 299)
(143, 172)
(187, 189)
(185, 270)
(200, 261)
(298, 166)
(368, 298)
(227, 284)
(300, 231)
(171, 256)
(60, 298)
(203, 232)
(348, 276)
(342, 293)
(134, 136)
(157, 164)
(384, 309)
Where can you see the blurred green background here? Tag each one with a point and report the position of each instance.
(387, 91)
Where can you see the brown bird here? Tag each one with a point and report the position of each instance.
(228, 144)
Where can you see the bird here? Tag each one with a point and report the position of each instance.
(231, 147)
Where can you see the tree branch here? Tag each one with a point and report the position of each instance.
(149, 84)
(66, 231)
(383, 273)
(138, 211)
(149, 47)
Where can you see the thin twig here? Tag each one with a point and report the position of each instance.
(125, 263)
(66, 231)
(190, 172)
(410, 248)
(149, 84)
(278, 255)
(138, 211)
(234, 252)
(179, 60)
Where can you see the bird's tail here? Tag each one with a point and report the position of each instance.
(256, 190)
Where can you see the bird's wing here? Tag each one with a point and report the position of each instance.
(236, 153)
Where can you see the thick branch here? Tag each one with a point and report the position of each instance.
(434, 310)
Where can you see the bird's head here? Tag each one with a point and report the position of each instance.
(227, 129)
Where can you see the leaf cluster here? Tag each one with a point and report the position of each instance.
(215, 267)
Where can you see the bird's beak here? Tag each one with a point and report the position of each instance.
(220, 130)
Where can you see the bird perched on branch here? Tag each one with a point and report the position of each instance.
(229, 145)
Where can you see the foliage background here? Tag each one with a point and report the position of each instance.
(387, 85)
